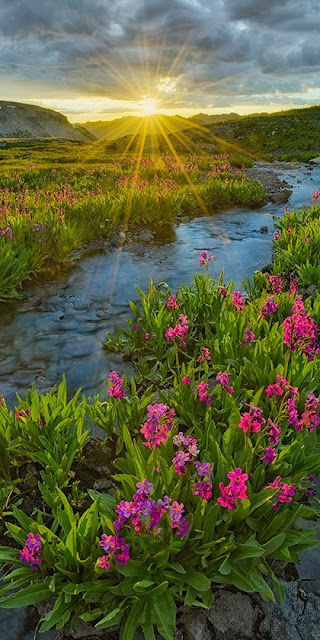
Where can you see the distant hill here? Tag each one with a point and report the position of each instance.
(19, 120)
(131, 125)
(287, 135)
(206, 118)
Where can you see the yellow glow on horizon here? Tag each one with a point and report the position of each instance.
(148, 106)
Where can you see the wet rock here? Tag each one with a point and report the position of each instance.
(145, 236)
(231, 616)
(315, 160)
(195, 625)
(281, 619)
(281, 197)
(264, 229)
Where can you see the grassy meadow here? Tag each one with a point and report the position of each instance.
(56, 196)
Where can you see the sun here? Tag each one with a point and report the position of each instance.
(148, 106)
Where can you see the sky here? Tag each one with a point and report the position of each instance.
(101, 59)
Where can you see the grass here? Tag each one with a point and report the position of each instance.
(70, 194)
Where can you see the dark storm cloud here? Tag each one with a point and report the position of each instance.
(214, 50)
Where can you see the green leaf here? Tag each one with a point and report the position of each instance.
(29, 595)
(197, 580)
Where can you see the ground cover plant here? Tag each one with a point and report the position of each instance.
(67, 198)
(216, 451)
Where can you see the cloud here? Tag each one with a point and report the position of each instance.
(194, 52)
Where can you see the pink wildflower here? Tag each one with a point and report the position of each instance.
(203, 393)
(158, 425)
(252, 420)
(300, 331)
(115, 388)
(237, 299)
(185, 380)
(204, 258)
(205, 355)
(276, 284)
(270, 306)
(235, 490)
(172, 303)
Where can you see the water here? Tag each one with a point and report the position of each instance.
(59, 326)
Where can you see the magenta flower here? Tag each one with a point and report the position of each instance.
(31, 552)
(274, 432)
(186, 380)
(117, 552)
(204, 258)
(203, 393)
(178, 332)
(205, 355)
(172, 303)
(158, 425)
(248, 336)
(115, 388)
(276, 236)
(235, 490)
(252, 420)
(203, 468)
(286, 492)
(300, 331)
(270, 306)
(276, 284)
(269, 455)
(238, 300)
(203, 489)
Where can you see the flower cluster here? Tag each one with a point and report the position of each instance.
(269, 306)
(286, 491)
(238, 300)
(179, 331)
(276, 284)
(172, 302)
(235, 490)
(248, 336)
(186, 380)
(115, 388)
(203, 393)
(144, 513)
(310, 418)
(300, 331)
(205, 354)
(252, 420)
(203, 487)
(316, 196)
(31, 552)
(186, 454)
(117, 552)
(224, 379)
(158, 425)
(204, 258)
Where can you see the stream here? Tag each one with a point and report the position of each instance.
(59, 326)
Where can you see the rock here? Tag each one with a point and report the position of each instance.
(311, 586)
(231, 616)
(103, 484)
(264, 229)
(315, 160)
(281, 197)
(308, 625)
(195, 625)
(281, 619)
(85, 631)
(145, 236)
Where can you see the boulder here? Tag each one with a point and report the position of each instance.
(315, 160)
(195, 625)
(232, 616)
(281, 197)
(280, 619)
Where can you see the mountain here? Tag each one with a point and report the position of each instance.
(206, 118)
(286, 135)
(19, 120)
(131, 125)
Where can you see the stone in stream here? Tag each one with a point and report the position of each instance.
(281, 197)
(315, 160)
